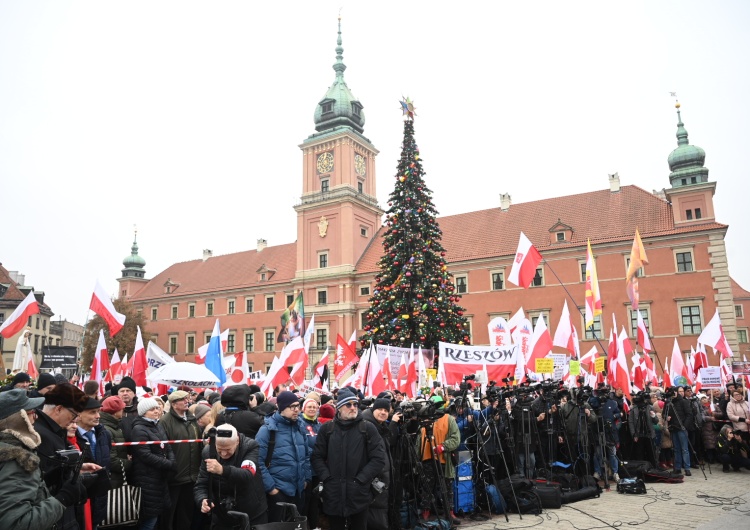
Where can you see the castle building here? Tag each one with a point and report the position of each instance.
(333, 261)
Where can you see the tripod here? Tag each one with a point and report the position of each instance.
(490, 428)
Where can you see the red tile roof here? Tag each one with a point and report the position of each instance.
(738, 292)
(230, 271)
(13, 294)
(602, 216)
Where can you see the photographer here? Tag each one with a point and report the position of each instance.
(608, 420)
(642, 420)
(524, 416)
(229, 479)
(695, 428)
(548, 426)
(577, 415)
(491, 427)
(679, 415)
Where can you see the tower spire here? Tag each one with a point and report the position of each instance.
(682, 134)
(339, 67)
(686, 161)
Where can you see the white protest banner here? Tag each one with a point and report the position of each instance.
(559, 359)
(394, 357)
(156, 357)
(460, 360)
(710, 377)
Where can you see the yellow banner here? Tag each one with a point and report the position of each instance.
(575, 367)
(599, 364)
(544, 366)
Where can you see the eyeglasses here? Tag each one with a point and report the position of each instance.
(351, 404)
(73, 412)
(294, 407)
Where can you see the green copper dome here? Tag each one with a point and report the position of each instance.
(133, 263)
(686, 162)
(339, 107)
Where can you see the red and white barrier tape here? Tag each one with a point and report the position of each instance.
(159, 442)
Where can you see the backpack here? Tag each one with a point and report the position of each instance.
(528, 502)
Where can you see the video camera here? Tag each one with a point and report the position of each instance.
(641, 398)
(419, 409)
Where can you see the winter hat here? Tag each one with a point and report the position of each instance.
(313, 395)
(438, 401)
(326, 413)
(177, 395)
(345, 396)
(285, 399)
(45, 380)
(382, 403)
(146, 404)
(307, 401)
(112, 405)
(20, 377)
(259, 398)
(13, 401)
(127, 382)
(325, 398)
(60, 379)
(253, 388)
(67, 395)
(200, 411)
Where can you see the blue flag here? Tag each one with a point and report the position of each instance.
(213, 356)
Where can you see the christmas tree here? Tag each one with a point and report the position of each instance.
(414, 300)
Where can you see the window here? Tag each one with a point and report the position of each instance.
(262, 276)
(289, 299)
(174, 312)
(690, 316)
(36, 344)
(323, 260)
(698, 213)
(742, 335)
(322, 297)
(689, 215)
(269, 302)
(30, 320)
(363, 231)
(230, 307)
(360, 187)
(634, 320)
(153, 313)
(362, 319)
(191, 310)
(684, 261)
(364, 290)
(270, 340)
(249, 341)
(190, 347)
(560, 236)
(230, 342)
(321, 339)
(249, 305)
(324, 186)
(208, 338)
(327, 107)
(595, 331)
(172, 345)
(37, 322)
(582, 267)
(461, 286)
(498, 281)
(738, 312)
(533, 317)
(268, 367)
(355, 109)
(44, 325)
(538, 278)
(209, 309)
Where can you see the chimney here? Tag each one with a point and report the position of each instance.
(614, 182)
(207, 254)
(505, 201)
(262, 243)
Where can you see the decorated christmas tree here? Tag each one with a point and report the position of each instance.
(414, 300)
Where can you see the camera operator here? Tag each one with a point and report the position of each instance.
(524, 416)
(492, 428)
(229, 479)
(548, 426)
(679, 416)
(577, 417)
(642, 420)
(608, 421)
(695, 428)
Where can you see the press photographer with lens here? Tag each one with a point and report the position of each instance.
(679, 415)
(642, 420)
(607, 440)
(577, 417)
(229, 479)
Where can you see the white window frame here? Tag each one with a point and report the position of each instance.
(317, 296)
(465, 278)
(685, 303)
(684, 251)
(244, 343)
(646, 308)
(273, 303)
(501, 272)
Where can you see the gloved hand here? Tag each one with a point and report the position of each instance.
(741, 420)
(440, 449)
(71, 493)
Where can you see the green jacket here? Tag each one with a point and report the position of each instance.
(451, 443)
(187, 455)
(119, 463)
(25, 502)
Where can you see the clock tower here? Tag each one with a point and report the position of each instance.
(338, 214)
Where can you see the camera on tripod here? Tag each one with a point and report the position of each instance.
(419, 409)
(641, 398)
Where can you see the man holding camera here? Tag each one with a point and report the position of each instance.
(608, 419)
(642, 419)
(229, 479)
(679, 415)
(577, 416)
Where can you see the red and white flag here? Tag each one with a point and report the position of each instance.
(126, 367)
(541, 344)
(679, 373)
(699, 360)
(115, 368)
(643, 335)
(299, 361)
(203, 350)
(140, 364)
(620, 374)
(525, 263)
(101, 361)
(344, 359)
(516, 320)
(401, 378)
(713, 335)
(20, 316)
(666, 379)
(320, 376)
(375, 382)
(412, 377)
(566, 335)
(31, 370)
(101, 304)
(387, 375)
(236, 369)
(277, 375)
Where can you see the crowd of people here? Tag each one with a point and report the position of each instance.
(203, 459)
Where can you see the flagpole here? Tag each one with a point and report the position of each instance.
(367, 369)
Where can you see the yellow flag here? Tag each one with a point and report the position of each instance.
(637, 257)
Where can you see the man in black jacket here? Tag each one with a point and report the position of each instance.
(237, 399)
(230, 480)
(679, 416)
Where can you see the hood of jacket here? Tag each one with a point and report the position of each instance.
(236, 396)
(11, 448)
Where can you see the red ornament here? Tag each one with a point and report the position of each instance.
(442, 324)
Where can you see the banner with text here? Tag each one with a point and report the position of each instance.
(460, 360)
(394, 354)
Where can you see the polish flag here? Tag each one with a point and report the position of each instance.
(320, 379)
(565, 334)
(541, 343)
(344, 359)
(650, 371)
(277, 375)
(101, 361)
(387, 375)
(612, 352)
(679, 372)
(115, 367)
(666, 380)
(627, 346)
(699, 360)
(619, 369)
(101, 304)
(31, 370)
(411, 376)
(375, 382)
(140, 365)
(637, 372)
(525, 263)
(309, 334)
(18, 318)
(713, 335)
(643, 338)
(299, 360)
(401, 380)
(127, 366)
(353, 342)
(516, 320)
(358, 378)
(203, 350)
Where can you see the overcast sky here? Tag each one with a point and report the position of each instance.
(185, 117)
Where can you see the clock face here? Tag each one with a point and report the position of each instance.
(325, 162)
(359, 165)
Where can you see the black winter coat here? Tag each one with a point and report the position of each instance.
(681, 413)
(187, 455)
(377, 517)
(238, 482)
(346, 460)
(152, 466)
(236, 400)
(119, 462)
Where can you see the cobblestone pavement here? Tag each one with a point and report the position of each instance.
(723, 500)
